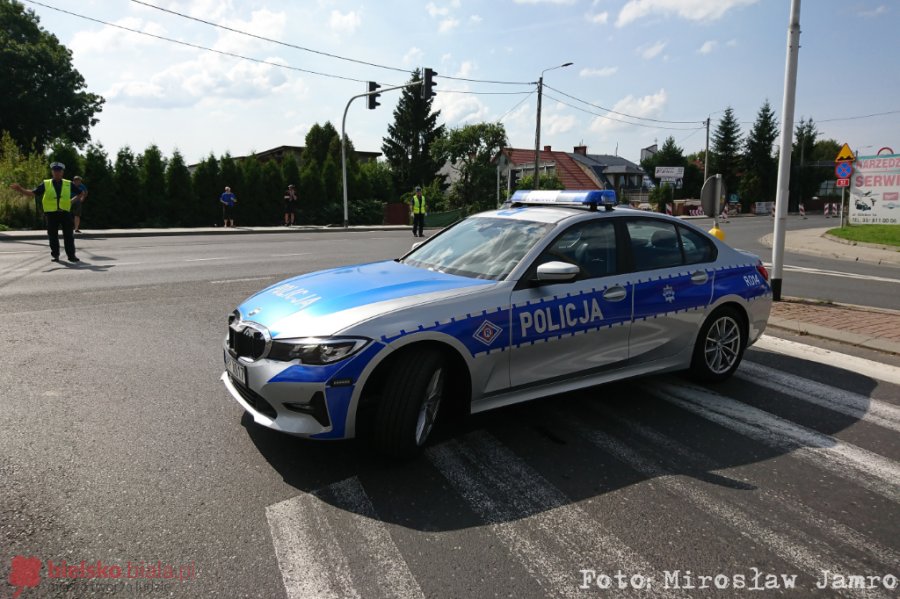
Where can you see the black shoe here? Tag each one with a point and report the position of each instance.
(54, 258)
(73, 259)
(78, 230)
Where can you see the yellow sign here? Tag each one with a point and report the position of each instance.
(845, 155)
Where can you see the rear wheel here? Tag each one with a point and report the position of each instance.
(410, 404)
(720, 346)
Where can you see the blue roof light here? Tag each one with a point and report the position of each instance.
(552, 197)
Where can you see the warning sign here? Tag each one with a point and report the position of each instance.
(845, 155)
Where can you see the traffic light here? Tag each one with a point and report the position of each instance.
(428, 84)
(373, 97)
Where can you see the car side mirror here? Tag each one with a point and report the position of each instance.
(557, 271)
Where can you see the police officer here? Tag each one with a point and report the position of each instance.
(56, 200)
(418, 212)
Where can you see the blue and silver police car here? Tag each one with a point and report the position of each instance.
(556, 291)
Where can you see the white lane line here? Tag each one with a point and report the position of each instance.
(241, 280)
(309, 552)
(844, 402)
(541, 527)
(784, 540)
(206, 259)
(869, 368)
(869, 469)
(834, 273)
(839, 532)
(286, 255)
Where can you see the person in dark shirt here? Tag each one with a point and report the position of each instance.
(78, 202)
(56, 196)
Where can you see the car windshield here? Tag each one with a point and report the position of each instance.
(480, 247)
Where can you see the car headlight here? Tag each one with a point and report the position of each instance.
(316, 351)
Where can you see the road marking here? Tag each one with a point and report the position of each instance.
(531, 517)
(692, 459)
(833, 273)
(241, 280)
(312, 552)
(869, 368)
(285, 255)
(871, 470)
(206, 259)
(844, 402)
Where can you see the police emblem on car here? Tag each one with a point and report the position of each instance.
(555, 291)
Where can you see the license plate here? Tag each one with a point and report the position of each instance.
(237, 370)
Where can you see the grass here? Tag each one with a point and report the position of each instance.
(880, 234)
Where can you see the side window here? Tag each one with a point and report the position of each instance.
(654, 244)
(697, 248)
(592, 246)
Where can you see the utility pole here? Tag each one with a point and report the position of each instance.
(706, 154)
(784, 160)
(537, 131)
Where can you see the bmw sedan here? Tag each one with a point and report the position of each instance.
(554, 292)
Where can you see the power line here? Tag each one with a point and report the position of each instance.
(603, 116)
(196, 46)
(466, 91)
(631, 116)
(854, 118)
(519, 103)
(488, 81)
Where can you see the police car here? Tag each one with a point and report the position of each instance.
(556, 291)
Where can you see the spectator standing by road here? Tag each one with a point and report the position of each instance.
(56, 200)
(417, 203)
(290, 205)
(79, 201)
(228, 200)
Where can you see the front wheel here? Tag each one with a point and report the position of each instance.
(719, 347)
(413, 395)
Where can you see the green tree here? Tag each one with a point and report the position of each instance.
(26, 169)
(207, 183)
(43, 95)
(725, 157)
(126, 176)
(63, 151)
(318, 142)
(102, 205)
(290, 170)
(470, 150)
(179, 191)
(311, 193)
(760, 168)
(152, 189)
(272, 188)
(407, 148)
(547, 182)
(253, 194)
(671, 155)
(379, 180)
(332, 206)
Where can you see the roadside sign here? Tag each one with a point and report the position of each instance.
(842, 183)
(843, 170)
(845, 155)
(674, 172)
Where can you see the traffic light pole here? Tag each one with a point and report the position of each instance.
(344, 137)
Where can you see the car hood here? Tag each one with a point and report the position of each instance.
(324, 302)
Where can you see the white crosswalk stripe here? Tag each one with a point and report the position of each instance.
(869, 368)
(841, 401)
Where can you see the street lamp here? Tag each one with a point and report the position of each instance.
(537, 131)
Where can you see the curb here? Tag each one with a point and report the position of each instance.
(862, 244)
(103, 234)
(799, 327)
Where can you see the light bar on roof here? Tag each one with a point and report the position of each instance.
(596, 197)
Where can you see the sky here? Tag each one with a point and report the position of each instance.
(675, 61)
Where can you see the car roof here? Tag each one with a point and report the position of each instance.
(556, 214)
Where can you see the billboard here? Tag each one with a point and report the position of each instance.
(875, 190)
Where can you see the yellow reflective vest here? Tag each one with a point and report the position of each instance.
(418, 204)
(51, 203)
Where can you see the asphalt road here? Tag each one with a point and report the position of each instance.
(120, 445)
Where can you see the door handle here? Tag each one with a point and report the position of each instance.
(700, 277)
(615, 294)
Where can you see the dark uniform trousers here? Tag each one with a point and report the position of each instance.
(418, 224)
(55, 220)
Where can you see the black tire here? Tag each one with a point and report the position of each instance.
(404, 418)
(719, 346)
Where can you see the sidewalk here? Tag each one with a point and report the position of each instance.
(871, 328)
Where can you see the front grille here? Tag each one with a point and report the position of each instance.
(246, 340)
(255, 400)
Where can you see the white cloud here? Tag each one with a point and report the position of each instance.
(557, 122)
(601, 72)
(646, 106)
(465, 69)
(475, 19)
(652, 51)
(460, 108)
(882, 9)
(708, 47)
(545, 1)
(413, 56)
(345, 23)
(731, 43)
(435, 11)
(112, 39)
(692, 10)
(262, 22)
(210, 10)
(600, 18)
(448, 24)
